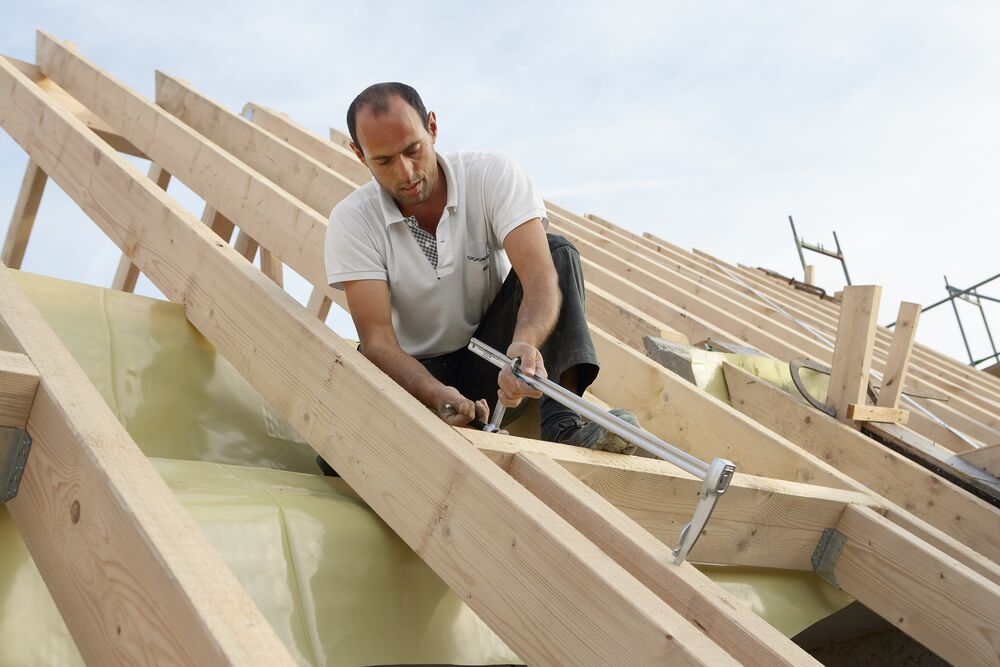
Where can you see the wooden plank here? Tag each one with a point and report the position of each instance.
(733, 626)
(326, 152)
(18, 383)
(319, 304)
(133, 576)
(545, 589)
(810, 274)
(218, 223)
(874, 413)
(687, 417)
(246, 246)
(928, 451)
(903, 337)
(23, 219)
(271, 266)
(956, 512)
(760, 522)
(984, 458)
(267, 154)
(70, 104)
(852, 355)
(127, 275)
(929, 596)
(342, 139)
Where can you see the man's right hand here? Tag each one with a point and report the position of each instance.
(457, 410)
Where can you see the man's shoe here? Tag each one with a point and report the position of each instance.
(595, 436)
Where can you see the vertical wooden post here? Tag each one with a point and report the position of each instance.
(810, 274)
(23, 219)
(246, 246)
(852, 354)
(319, 303)
(218, 223)
(898, 361)
(271, 266)
(127, 274)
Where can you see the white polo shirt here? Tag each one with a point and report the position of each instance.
(435, 311)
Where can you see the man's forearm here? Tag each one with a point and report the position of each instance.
(538, 312)
(408, 373)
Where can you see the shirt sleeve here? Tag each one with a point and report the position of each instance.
(351, 252)
(511, 199)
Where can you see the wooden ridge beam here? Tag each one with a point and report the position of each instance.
(929, 596)
(735, 628)
(515, 562)
(956, 512)
(133, 576)
(18, 384)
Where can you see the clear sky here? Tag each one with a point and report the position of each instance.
(704, 123)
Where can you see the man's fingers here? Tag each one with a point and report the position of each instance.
(510, 401)
(482, 410)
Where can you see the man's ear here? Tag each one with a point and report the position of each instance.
(357, 151)
(432, 127)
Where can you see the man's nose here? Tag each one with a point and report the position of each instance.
(406, 169)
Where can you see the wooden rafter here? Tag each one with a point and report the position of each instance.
(130, 571)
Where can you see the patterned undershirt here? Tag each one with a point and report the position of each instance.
(426, 241)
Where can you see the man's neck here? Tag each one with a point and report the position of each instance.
(428, 213)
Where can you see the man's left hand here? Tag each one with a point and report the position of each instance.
(512, 390)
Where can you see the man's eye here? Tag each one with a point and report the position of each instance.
(381, 163)
(413, 151)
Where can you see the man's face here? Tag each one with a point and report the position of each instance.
(398, 150)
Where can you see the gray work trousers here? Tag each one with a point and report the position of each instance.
(567, 346)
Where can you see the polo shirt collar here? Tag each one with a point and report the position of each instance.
(390, 212)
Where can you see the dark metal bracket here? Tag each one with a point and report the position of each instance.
(15, 443)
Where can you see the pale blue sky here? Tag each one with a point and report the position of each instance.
(704, 123)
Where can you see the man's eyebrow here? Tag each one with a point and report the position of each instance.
(385, 157)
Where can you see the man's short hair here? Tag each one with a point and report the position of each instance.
(376, 97)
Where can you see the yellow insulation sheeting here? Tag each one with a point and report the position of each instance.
(337, 585)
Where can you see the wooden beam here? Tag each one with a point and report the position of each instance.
(23, 219)
(929, 596)
(760, 522)
(545, 589)
(246, 246)
(326, 152)
(18, 383)
(127, 275)
(132, 574)
(969, 520)
(984, 458)
(746, 636)
(319, 304)
(852, 355)
(686, 416)
(903, 337)
(342, 139)
(218, 223)
(271, 266)
(262, 151)
(873, 413)
(810, 274)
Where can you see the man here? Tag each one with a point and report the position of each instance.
(424, 253)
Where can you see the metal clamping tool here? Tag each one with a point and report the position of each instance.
(715, 477)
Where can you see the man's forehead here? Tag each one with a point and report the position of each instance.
(395, 122)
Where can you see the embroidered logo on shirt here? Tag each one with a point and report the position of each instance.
(480, 259)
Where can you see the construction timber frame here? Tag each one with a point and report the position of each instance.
(563, 552)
